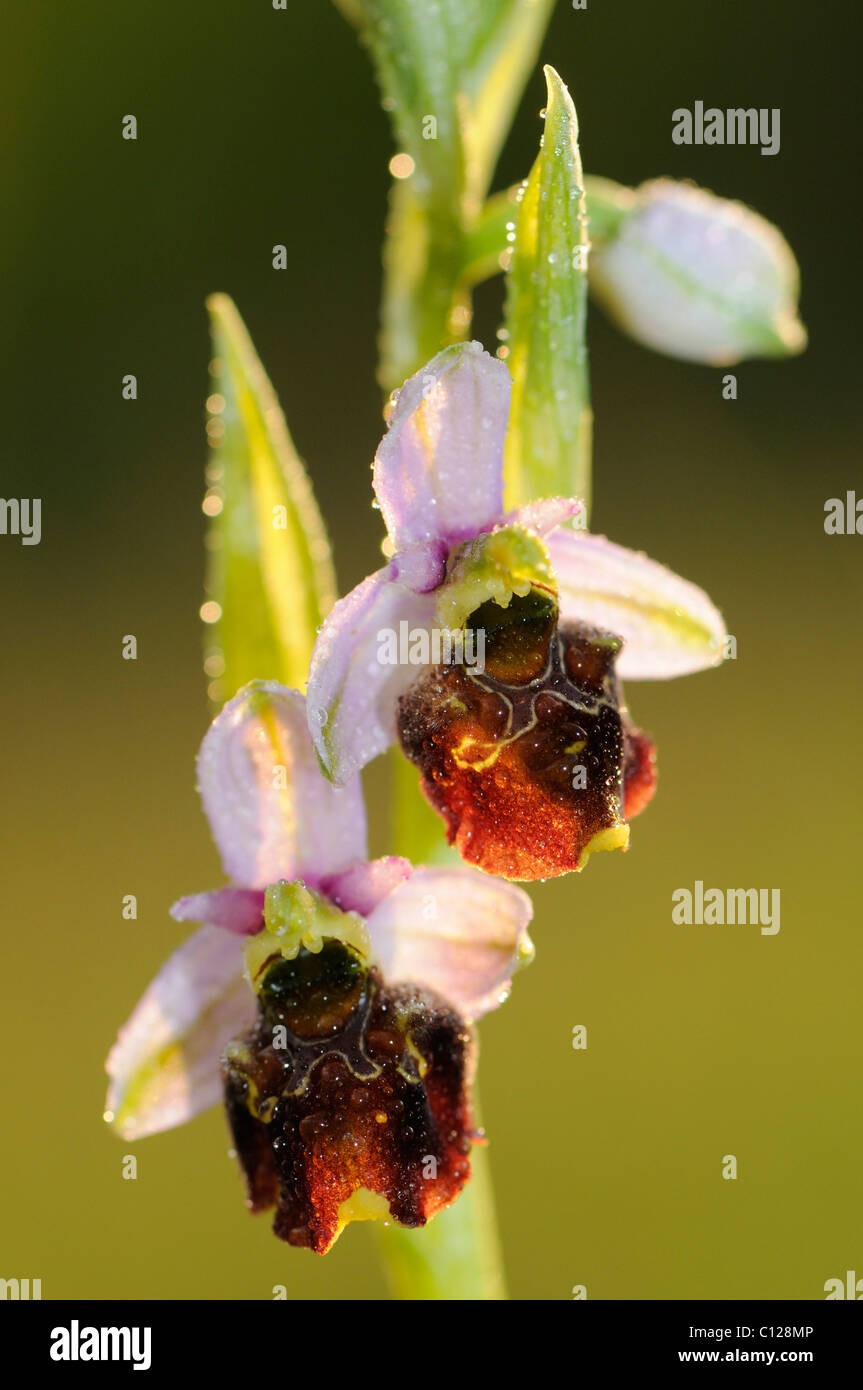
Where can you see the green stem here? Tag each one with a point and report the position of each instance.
(457, 1256)
(424, 306)
(416, 831)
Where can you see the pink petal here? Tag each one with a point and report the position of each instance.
(669, 626)
(164, 1066)
(545, 514)
(273, 814)
(353, 688)
(363, 886)
(456, 931)
(439, 470)
(238, 910)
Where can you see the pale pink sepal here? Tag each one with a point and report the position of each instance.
(669, 626)
(164, 1066)
(455, 930)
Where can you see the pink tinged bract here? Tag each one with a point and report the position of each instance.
(669, 627)
(164, 1066)
(457, 931)
(438, 473)
(353, 688)
(272, 814)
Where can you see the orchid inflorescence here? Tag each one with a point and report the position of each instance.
(330, 1000)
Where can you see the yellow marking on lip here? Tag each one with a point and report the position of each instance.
(612, 837)
(466, 764)
(363, 1205)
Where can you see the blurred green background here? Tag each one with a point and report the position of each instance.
(256, 127)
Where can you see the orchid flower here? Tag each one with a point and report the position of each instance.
(330, 998)
(532, 760)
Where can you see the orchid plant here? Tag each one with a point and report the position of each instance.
(330, 1001)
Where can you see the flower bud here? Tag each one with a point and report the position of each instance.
(698, 277)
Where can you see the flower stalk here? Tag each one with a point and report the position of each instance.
(458, 1256)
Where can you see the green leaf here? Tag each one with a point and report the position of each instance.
(502, 45)
(451, 73)
(416, 49)
(269, 565)
(549, 437)
(416, 46)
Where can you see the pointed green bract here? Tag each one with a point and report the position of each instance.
(269, 565)
(549, 437)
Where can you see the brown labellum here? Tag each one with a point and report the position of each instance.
(532, 761)
(349, 1099)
